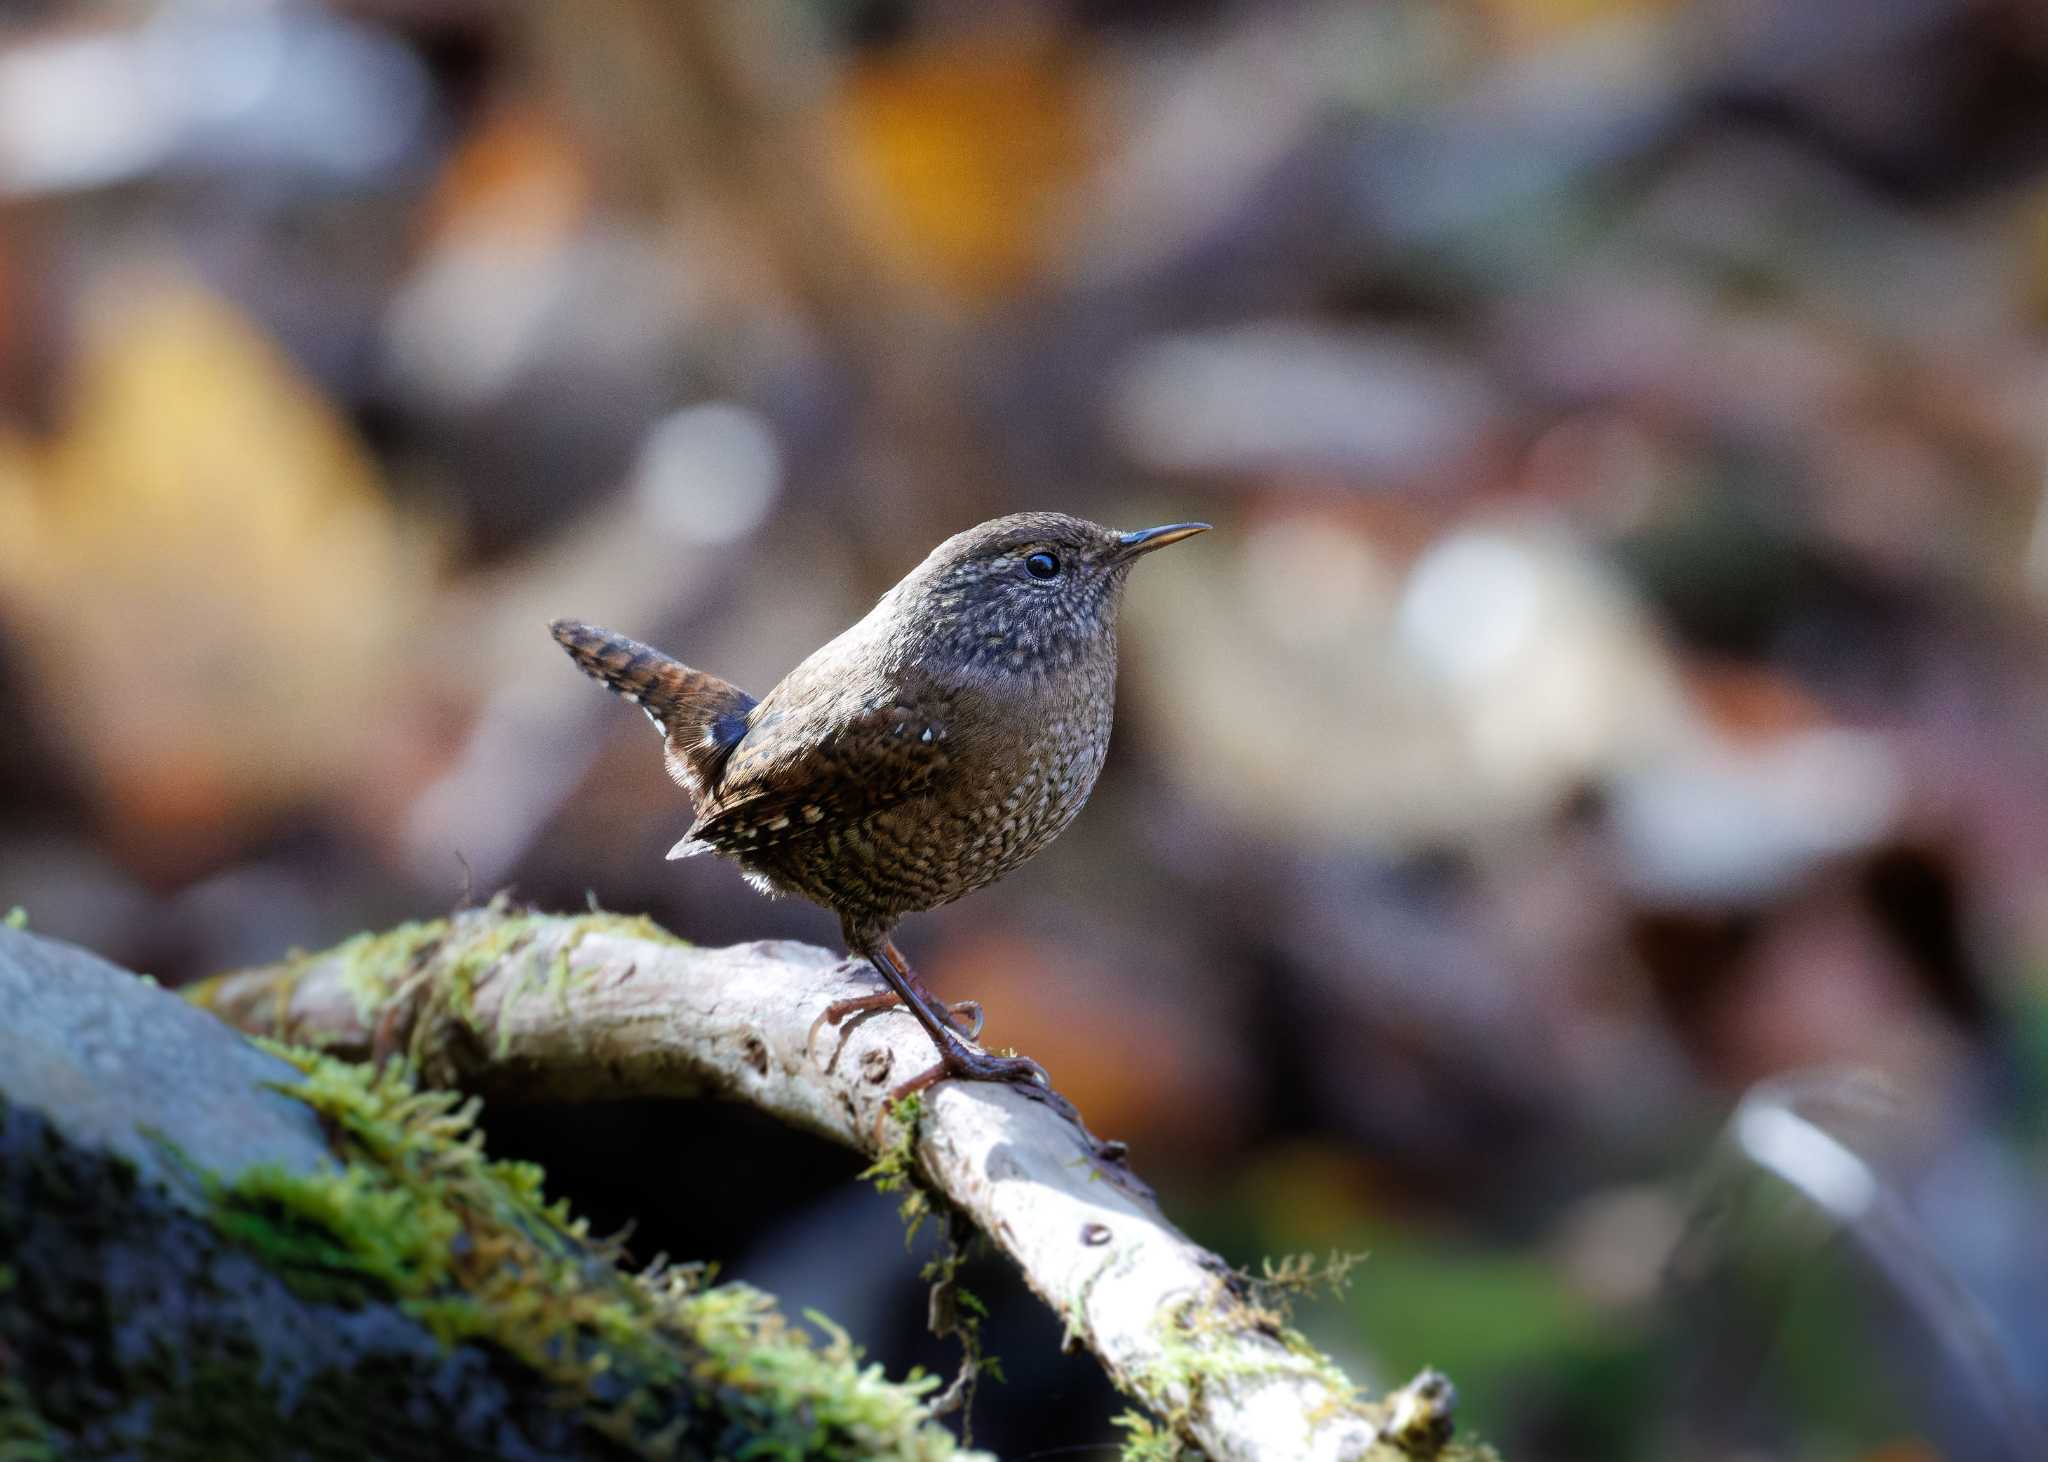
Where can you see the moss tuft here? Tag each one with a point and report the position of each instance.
(1145, 1440)
(1280, 1284)
(894, 1169)
(1192, 1363)
(955, 1312)
(1413, 1422)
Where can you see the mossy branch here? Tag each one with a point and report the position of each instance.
(522, 1006)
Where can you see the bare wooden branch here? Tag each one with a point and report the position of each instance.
(533, 1007)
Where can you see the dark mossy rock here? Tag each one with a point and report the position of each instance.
(212, 1250)
(130, 1328)
(128, 1325)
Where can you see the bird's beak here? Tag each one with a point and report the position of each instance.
(1144, 540)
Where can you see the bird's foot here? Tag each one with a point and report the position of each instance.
(963, 1064)
(969, 1025)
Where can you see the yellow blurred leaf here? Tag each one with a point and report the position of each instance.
(206, 577)
(2032, 252)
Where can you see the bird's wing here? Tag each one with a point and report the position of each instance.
(782, 780)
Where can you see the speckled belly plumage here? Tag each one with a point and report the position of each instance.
(964, 832)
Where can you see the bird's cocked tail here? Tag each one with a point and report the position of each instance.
(699, 716)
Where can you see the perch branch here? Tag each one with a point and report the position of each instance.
(534, 1007)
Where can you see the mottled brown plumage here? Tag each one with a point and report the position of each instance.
(928, 750)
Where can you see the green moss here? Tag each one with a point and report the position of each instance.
(471, 953)
(373, 965)
(1196, 1353)
(627, 926)
(1192, 1370)
(894, 1169)
(1145, 1440)
(1281, 1283)
(955, 1311)
(562, 973)
(434, 965)
(343, 1236)
(1192, 1362)
(477, 944)
(415, 1213)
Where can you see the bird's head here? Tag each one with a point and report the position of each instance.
(1032, 592)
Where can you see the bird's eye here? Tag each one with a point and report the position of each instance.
(1041, 565)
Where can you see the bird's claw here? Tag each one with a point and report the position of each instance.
(972, 1030)
(962, 1064)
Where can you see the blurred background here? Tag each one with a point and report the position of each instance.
(1577, 832)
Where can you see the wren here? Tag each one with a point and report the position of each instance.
(927, 751)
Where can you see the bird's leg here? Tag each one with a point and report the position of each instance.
(969, 1026)
(955, 1059)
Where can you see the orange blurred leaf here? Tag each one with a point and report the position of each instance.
(962, 148)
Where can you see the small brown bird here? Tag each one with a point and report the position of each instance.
(925, 752)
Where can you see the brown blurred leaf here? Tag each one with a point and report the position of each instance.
(1139, 1068)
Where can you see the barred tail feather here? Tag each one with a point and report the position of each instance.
(699, 716)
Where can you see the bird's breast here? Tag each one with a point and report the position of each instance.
(1016, 789)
